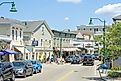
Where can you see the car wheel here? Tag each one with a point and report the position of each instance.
(36, 71)
(24, 74)
(31, 73)
(13, 78)
(1, 78)
(84, 64)
(40, 71)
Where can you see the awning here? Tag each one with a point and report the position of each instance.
(27, 51)
(69, 49)
(19, 49)
(8, 51)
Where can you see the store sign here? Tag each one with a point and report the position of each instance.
(34, 43)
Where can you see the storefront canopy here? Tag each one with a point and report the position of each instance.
(8, 51)
(1, 53)
(69, 49)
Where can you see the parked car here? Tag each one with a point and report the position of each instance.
(75, 59)
(23, 68)
(6, 71)
(96, 56)
(37, 66)
(69, 58)
(88, 59)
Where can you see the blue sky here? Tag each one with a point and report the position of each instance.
(63, 14)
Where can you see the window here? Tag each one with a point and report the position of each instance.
(33, 56)
(26, 55)
(41, 41)
(50, 43)
(84, 28)
(16, 34)
(13, 34)
(20, 33)
(42, 30)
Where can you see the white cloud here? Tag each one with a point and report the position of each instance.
(110, 8)
(70, 1)
(66, 18)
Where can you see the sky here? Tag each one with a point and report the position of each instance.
(63, 14)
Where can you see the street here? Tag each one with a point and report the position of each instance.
(66, 72)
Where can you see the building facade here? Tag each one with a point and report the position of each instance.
(62, 45)
(37, 40)
(11, 32)
(85, 37)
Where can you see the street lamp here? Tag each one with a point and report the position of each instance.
(13, 7)
(103, 21)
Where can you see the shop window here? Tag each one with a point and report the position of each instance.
(33, 56)
(27, 56)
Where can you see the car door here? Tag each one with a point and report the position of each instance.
(7, 70)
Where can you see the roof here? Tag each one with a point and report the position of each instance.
(33, 26)
(9, 20)
(65, 32)
(117, 17)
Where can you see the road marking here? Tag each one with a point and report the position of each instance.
(65, 76)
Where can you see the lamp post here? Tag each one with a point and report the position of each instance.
(13, 7)
(103, 21)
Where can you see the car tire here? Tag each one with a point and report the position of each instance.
(84, 64)
(1, 78)
(13, 78)
(36, 71)
(24, 74)
(31, 73)
(40, 71)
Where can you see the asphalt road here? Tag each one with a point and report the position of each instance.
(66, 72)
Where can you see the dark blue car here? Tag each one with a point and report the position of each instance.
(37, 66)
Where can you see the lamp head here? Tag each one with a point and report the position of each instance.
(90, 22)
(13, 8)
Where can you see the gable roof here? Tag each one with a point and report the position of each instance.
(33, 26)
(117, 17)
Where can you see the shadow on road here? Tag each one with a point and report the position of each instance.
(97, 78)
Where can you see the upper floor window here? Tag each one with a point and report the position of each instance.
(16, 34)
(50, 43)
(20, 33)
(42, 28)
(41, 41)
(13, 34)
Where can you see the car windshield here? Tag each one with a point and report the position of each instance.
(18, 63)
(33, 62)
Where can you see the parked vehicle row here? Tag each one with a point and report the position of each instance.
(10, 70)
(85, 59)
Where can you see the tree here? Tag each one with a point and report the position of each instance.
(112, 42)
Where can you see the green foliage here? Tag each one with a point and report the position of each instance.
(113, 74)
(112, 41)
(116, 68)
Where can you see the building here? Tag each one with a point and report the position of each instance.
(85, 37)
(62, 45)
(11, 32)
(117, 19)
(37, 40)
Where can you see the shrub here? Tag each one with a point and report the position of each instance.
(116, 68)
(113, 74)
